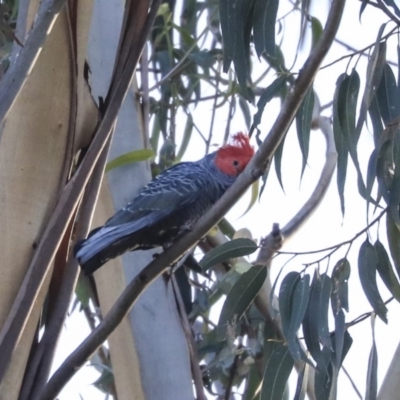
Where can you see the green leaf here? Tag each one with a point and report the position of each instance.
(384, 165)
(244, 106)
(264, 18)
(341, 147)
(386, 272)
(315, 323)
(105, 382)
(240, 297)
(130, 158)
(303, 124)
(374, 73)
(393, 235)
(371, 173)
(316, 31)
(394, 191)
(232, 249)
(377, 125)
(254, 195)
(235, 16)
(386, 95)
(186, 137)
(323, 294)
(278, 161)
(340, 291)
(276, 374)
(338, 338)
(253, 384)
(293, 299)
(372, 374)
(367, 267)
(267, 95)
(302, 381)
(346, 103)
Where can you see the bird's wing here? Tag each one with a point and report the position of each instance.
(178, 186)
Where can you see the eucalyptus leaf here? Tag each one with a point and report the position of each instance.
(316, 31)
(340, 291)
(372, 373)
(130, 158)
(386, 272)
(232, 249)
(303, 124)
(341, 146)
(293, 299)
(387, 98)
(265, 12)
(367, 267)
(393, 235)
(240, 297)
(187, 134)
(267, 95)
(276, 373)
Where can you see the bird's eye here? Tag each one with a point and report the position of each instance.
(235, 163)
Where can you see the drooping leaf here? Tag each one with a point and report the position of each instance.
(386, 272)
(187, 134)
(338, 338)
(268, 94)
(235, 19)
(375, 67)
(340, 291)
(130, 158)
(372, 373)
(253, 384)
(232, 249)
(315, 323)
(386, 95)
(384, 165)
(106, 381)
(244, 106)
(303, 124)
(324, 295)
(346, 103)
(316, 31)
(265, 12)
(340, 143)
(302, 380)
(394, 192)
(276, 374)
(278, 161)
(254, 196)
(286, 291)
(323, 375)
(376, 120)
(293, 300)
(367, 267)
(371, 173)
(393, 235)
(240, 297)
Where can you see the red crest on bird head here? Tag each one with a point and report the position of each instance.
(232, 159)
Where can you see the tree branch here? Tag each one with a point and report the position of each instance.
(252, 172)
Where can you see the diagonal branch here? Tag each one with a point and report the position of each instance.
(253, 171)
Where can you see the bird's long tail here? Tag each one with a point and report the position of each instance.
(102, 245)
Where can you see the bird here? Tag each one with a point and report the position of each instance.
(167, 207)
